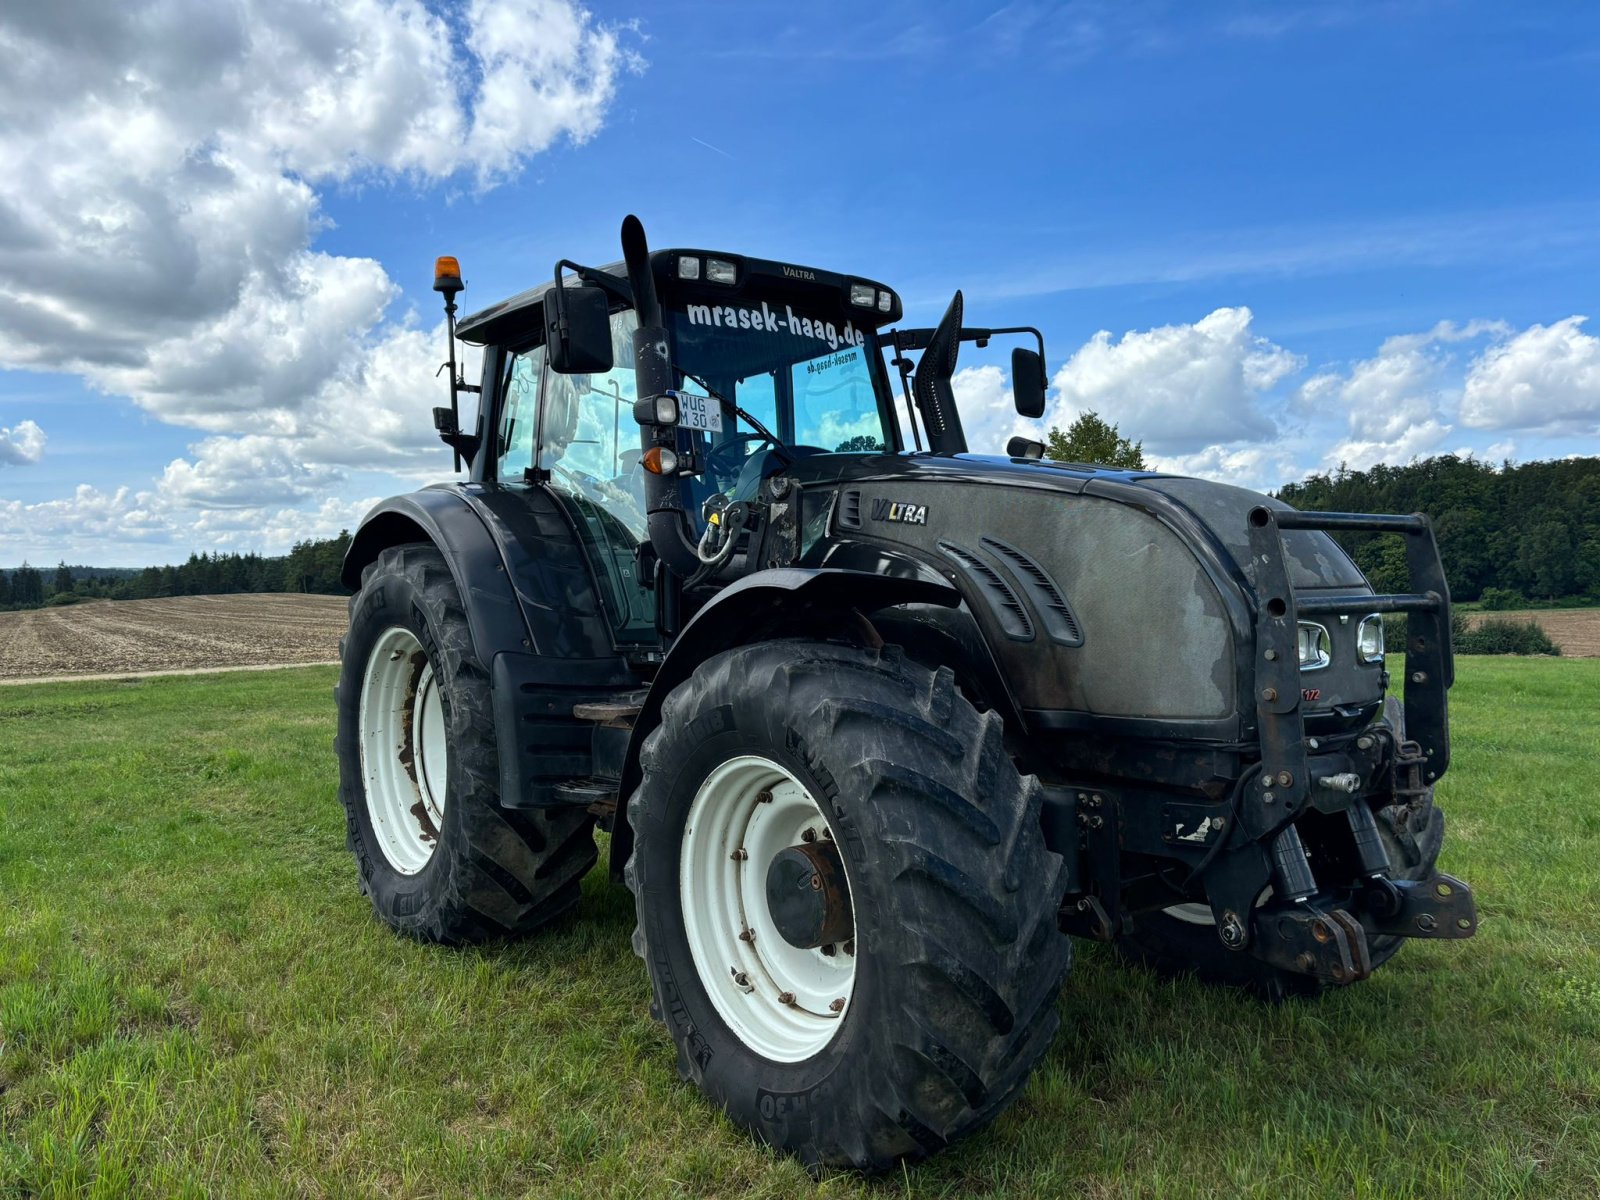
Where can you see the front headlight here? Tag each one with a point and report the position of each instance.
(1369, 639)
(1314, 646)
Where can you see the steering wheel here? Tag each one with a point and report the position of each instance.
(726, 460)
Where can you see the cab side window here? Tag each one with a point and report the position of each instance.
(588, 440)
(589, 451)
(519, 415)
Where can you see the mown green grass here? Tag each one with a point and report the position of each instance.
(195, 1000)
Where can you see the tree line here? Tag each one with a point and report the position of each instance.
(310, 566)
(1505, 533)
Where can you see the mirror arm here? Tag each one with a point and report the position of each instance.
(902, 340)
(617, 289)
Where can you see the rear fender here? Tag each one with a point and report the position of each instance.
(447, 518)
(788, 602)
(534, 620)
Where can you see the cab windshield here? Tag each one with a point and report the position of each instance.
(808, 376)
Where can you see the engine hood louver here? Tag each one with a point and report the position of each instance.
(1005, 604)
(849, 509)
(1060, 624)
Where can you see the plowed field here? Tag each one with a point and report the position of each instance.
(181, 633)
(1575, 630)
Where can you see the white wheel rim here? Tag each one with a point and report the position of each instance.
(724, 897)
(405, 755)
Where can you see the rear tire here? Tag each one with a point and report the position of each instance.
(437, 855)
(1412, 835)
(956, 959)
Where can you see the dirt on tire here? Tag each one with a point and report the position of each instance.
(100, 637)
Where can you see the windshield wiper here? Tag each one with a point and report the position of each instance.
(776, 441)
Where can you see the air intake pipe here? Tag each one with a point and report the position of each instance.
(936, 399)
(668, 522)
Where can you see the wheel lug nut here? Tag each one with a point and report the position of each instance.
(837, 1005)
(740, 854)
(746, 936)
(808, 835)
(850, 947)
(764, 797)
(786, 998)
(829, 950)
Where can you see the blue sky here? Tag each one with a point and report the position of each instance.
(1264, 238)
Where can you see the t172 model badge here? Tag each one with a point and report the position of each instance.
(893, 510)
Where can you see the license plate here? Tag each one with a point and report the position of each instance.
(699, 412)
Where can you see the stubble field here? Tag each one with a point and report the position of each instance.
(180, 633)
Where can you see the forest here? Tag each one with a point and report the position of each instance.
(1506, 534)
(310, 566)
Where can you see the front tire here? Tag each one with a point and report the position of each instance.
(419, 770)
(926, 1022)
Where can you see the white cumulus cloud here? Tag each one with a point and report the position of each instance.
(22, 444)
(159, 242)
(158, 237)
(1177, 387)
(1546, 379)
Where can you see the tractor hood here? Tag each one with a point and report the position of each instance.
(1127, 595)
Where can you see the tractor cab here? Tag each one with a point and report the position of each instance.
(753, 369)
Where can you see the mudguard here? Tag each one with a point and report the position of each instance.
(447, 517)
(536, 623)
(790, 600)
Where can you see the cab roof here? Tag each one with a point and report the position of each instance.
(516, 319)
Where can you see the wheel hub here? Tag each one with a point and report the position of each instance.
(808, 897)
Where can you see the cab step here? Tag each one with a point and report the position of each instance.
(599, 796)
(617, 713)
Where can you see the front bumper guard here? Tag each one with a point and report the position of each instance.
(1297, 933)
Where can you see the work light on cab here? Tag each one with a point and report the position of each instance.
(720, 271)
(657, 410)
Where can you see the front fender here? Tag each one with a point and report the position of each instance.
(780, 602)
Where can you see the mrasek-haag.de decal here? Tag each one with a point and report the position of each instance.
(772, 320)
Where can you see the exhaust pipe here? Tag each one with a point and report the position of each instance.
(668, 522)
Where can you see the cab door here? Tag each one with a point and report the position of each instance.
(573, 438)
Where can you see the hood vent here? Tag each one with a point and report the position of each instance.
(1007, 608)
(850, 509)
(1059, 622)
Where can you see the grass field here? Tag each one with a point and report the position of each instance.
(194, 1000)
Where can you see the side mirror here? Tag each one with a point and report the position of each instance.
(578, 330)
(1028, 383)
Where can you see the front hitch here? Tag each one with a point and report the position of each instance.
(1332, 944)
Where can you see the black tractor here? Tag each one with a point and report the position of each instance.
(874, 727)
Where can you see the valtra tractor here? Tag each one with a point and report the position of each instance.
(876, 725)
